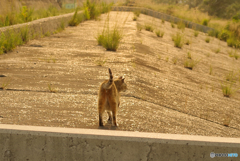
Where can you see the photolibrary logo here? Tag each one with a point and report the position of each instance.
(212, 154)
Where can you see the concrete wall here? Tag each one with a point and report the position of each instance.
(42, 26)
(50, 143)
(164, 16)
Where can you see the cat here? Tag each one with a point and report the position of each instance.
(109, 98)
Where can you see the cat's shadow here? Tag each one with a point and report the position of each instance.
(108, 126)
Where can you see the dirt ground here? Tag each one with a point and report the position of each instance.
(162, 97)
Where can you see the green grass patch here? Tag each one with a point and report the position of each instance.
(234, 54)
(187, 42)
(217, 50)
(175, 60)
(224, 35)
(159, 33)
(227, 89)
(137, 13)
(189, 55)
(207, 40)
(149, 27)
(205, 22)
(210, 70)
(213, 33)
(233, 42)
(196, 33)
(110, 38)
(190, 63)
(178, 40)
(181, 26)
(135, 18)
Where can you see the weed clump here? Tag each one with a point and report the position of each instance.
(110, 38)
(135, 18)
(234, 54)
(187, 42)
(159, 33)
(227, 89)
(224, 35)
(196, 33)
(181, 26)
(190, 63)
(205, 22)
(178, 40)
(76, 19)
(207, 40)
(213, 33)
(137, 13)
(149, 28)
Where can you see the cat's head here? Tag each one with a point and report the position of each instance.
(120, 84)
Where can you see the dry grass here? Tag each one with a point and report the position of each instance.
(51, 89)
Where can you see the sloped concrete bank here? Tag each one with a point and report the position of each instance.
(164, 16)
(49, 143)
(40, 27)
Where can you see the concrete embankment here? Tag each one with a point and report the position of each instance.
(49, 143)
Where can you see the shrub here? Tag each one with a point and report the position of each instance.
(213, 33)
(86, 13)
(178, 40)
(92, 9)
(224, 35)
(25, 34)
(104, 7)
(233, 42)
(75, 20)
(205, 22)
(26, 14)
(163, 21)
(172, 24)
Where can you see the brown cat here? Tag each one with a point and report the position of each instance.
(109, 98)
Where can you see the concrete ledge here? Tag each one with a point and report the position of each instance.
(41, 26)
(164, 16)
(50, 143)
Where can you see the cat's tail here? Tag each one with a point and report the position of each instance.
(108, 85)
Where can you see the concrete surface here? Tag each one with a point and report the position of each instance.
(41, 26)
(50, 143)
(164, 16)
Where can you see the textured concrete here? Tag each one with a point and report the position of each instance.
(49, 143)
(41, 26)
(164, 16)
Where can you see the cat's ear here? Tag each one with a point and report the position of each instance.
(120, 77)
(123, 80)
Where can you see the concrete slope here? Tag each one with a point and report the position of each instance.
(162, 97)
